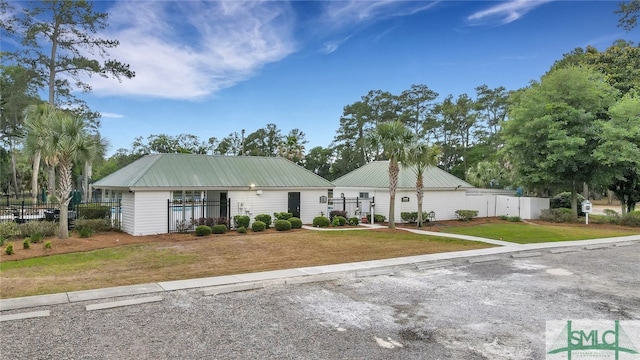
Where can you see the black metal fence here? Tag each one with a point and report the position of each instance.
(24, 211)
(352, 206)
(185, 216)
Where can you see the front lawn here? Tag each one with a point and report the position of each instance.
(523, 233)
(116, 259)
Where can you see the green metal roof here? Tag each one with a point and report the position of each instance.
(181, 171)
(376, 175)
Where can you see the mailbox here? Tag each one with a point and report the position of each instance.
(586, 206)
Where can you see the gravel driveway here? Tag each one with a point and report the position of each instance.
(484, 310)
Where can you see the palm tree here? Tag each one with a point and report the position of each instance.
(393, 138)
(420, 156)
(68, 140)
(36, 119)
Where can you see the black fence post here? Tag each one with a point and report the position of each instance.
(203, 203)
(168, 215)
(229, 213)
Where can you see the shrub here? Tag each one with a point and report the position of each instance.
(9, 229)
(9, 249)
(282, 215)
(379, 218)
(202, 230)
(335, 221)
(95, 225)
(296, 223)
(335, 213)
(353, 221)
(321, 221)
(241, 221)
(26, 243)
(503, 217)
(2, 240)
(36, 238)
(412, 217)
(219, 229)
(611, 213)
(563, 200)
(265, 218)
(183, 226)
(466, 215)
(282, 225)
(514, 218)
(89, 211)
(45, 228)
(409, 217)
(561, 215)
(341, 220)
(258, 226)
(47, 245)
(205, 221)
(242, 230)
(85, 232)
(631, 219)
(221, 221)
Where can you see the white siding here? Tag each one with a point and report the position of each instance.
(310, 205)
(443, 203)
(270, 201)
(128, 212)
(151, 214)
(485, 204)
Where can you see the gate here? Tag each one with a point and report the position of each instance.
(185, 216)
(353, 206)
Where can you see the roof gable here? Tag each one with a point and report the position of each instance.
(211, 171)
(376, 175)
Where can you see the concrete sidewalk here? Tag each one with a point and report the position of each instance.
(313, 273)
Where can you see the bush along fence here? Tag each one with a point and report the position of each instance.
(23, 212)
(186, 216)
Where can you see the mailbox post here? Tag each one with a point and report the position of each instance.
(586, 208)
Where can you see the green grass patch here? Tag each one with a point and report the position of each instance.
(522, 233)
(397, 236)
(141, 255)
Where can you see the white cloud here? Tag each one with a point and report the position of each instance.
(111, 115)
(352, 15)
(505, 12)
(191, 49)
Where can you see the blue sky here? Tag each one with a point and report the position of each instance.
(210, 68)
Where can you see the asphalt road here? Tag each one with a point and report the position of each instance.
(484, 310)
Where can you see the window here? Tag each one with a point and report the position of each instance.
(364, 195)
(323, 199)
(330, 196)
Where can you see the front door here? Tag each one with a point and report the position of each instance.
(223, 204)
(294, 204)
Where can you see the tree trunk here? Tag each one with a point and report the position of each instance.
(585, 191)
(394, 171)
(420, 196)
(52, 179)
(13, 168)
(64, 195)
(34, 176)
(574, 200)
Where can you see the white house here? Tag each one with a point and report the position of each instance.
(443, 194)
(162, 192)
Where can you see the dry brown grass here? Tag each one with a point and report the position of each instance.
(116, 259)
